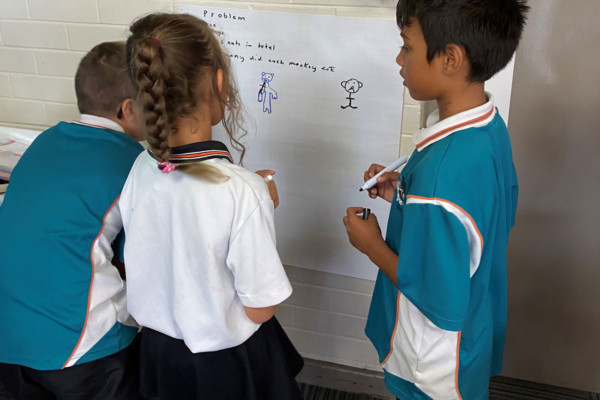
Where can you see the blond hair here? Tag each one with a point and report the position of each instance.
(168, 56)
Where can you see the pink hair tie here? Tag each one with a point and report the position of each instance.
(156, 42)
(167, 167)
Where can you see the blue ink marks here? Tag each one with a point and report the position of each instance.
(351, 86)
(266, 93)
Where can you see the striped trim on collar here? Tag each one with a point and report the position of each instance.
(199, 151)
(475, 117)
(99, 122)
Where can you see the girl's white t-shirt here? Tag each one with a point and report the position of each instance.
(196, 252)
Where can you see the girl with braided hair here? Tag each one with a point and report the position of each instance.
(204, 276)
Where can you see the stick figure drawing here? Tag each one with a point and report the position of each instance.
(266, 93)
(351, 86)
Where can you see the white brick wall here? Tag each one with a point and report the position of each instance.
(17, 60)
(64, 10)
(41, 43)
(4, 86)
(22, 111)
(123, 12)
(48, 88)
(13, 9)
(57, 62)
(56, 112)
(84, 37)
(34, 34)
(326, 315)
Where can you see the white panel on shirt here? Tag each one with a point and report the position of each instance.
(107, 292)
(423, 354)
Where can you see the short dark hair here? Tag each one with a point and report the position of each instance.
(489, 30)
(102, 81)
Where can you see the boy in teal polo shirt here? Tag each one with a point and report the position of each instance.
(438, 313)
(66, 332)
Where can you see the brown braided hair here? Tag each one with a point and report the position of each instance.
(168, 56)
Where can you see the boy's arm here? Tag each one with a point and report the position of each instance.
(365, 235)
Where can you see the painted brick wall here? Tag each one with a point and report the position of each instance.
(41, 43)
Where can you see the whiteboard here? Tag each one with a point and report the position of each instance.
(319, 149)
(325, 98)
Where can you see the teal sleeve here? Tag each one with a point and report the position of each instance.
(434, 264)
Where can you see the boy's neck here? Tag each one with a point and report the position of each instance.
(101, 120)
(462, 99)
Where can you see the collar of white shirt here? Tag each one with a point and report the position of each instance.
(199, 151)
(99, 122)
(437, 130)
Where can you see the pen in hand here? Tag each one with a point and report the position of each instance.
(366, 213)
(392, 167)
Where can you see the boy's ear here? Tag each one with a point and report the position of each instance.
(131, 119)
(127, 109)
(455, 59)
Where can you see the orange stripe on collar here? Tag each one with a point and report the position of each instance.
(450, 129)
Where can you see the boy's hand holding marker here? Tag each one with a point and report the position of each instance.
(381, 181)
(386, 182)
(267, 175)
(363, 233)
(363, 230)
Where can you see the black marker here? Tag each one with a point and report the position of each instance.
(366, 213)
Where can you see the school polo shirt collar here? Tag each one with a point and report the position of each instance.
(199, 151)
(437, 130)
(99, 122)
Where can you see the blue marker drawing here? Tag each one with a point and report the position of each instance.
(351, 86)
(266, 93)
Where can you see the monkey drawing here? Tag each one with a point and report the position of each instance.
(351, 86)
(266, 93)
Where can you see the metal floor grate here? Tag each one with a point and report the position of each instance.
(500, 389)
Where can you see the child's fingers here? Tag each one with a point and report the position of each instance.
(388, 176)
(372, 171)
(352, 212)
(373, 192)
(265, 172)
(273, 192)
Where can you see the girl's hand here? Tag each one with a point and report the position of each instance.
(270, 184)
(364, 235)
(386, 183)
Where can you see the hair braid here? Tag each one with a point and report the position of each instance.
(172, 58)
(147, 65)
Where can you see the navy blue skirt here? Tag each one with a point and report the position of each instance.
(262, 368)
